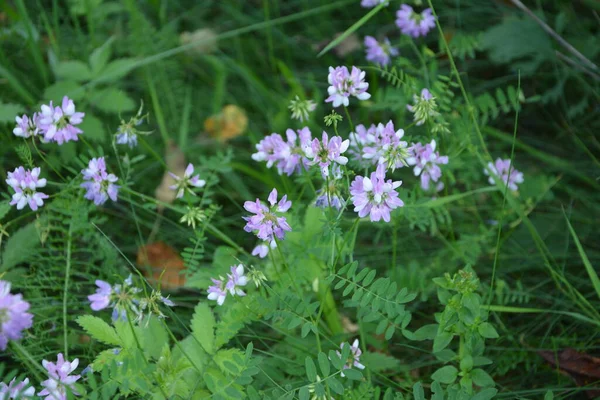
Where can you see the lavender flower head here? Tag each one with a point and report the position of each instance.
(24, 183)
(426, 161)
(101, 299)
(14, 390)
(288, 156)
(344, 84)
(58, 123)
(330, 196)
(354, 359)
(375, 196)
(127, 132)
(14, 317)
(388, 149)
(217, 291)
(266, 223)
(380, 53)
(263, 249)
(236, 279)
(184, 184)
(412, 23)
(373, 3)
(326, 151)
(359, 140)
(59, 379)
(27, 127)
(100, 185)
(500, 169)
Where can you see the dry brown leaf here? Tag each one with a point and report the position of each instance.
(230, 123)
(176, 164)
(582, 368)
(161, 263)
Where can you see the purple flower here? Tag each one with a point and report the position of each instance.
(363, 137)
(59, 378)
(375, 195)
(14, 390)
(126, 136)
(326, 151)
(14, 317)
(380, 53)
(183, 184)
(100, 185)
(330, 196)
(236, 279)
(379, 144)
(412, 23)
(217, 291)
(500, 169)
(426, 160)
(101, 299)
(27, 127)
(344, 84)
(354, 359)
(58, 123)
(24, 183)
(263, 249)
(373, 3)
(288, 156)
(265, 223)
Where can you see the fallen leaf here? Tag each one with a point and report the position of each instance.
(161, 264)
(582, 368)
(230, 123)
(176, 164)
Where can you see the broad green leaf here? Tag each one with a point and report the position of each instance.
(335, 385)
(99, 330)
(92, 128)
(116, 70)
(481, 378)
(323, 364)
(111, 100)
(486, 394)
(100, 56)
(353, 374)
(4, 209)
(426, 332)
(304, 394)
(441, 341)
(418, 392)
(549, 395)
(60, 89)
(73, 71)
(377, 362)
(487, 330)
(19, 247)
(203, 326)
(311, 369)
(9, 111)
(446, 375)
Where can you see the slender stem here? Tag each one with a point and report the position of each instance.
(66, 289)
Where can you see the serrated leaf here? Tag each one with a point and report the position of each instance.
(446, 375)
(99, 330)
(112, 100)
(100, 56)
(92, 128)
(20, 247)
(60, 89)
(8, 112)
(116, 70)
(203, 324)
(73, 71)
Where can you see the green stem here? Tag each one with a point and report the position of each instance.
(66, 289)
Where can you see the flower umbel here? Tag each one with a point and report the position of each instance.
(59, 379)
(14, 317)
(426, 161)
(412, 23)
(380, 52)
(373, 3)
(14, 390)
(236, 279)
(24, 183)
(288, 156)
(266, 222)
(101, 299)
(100, 185)
(344, 84)
(217, 291)
(379, 144)
(27, 127)
(127, 132)
(500, 169)
(326, 151)
(375, 196)
(184, 184)
(58, 124)
(301, 108)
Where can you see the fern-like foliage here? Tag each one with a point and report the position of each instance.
(488, 106)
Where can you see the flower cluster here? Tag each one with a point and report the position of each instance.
(100, 185)
(186, 183)
(501, 170)
(373, 3)
(424, 107)
(14, 317)
(21, 390)
(235, 281)
(119, 297)
(412, 23)
(326, 152)
(426, 162)
(60, 381)
(127, 132)
(25, 184)
(375, 196)
(301, 108)
(344, 84)
(330, 195)
(58, 124)
(380, 52)
(379, 144)
(354, 358)
(288, 156)
(266, 224)
(27, 127)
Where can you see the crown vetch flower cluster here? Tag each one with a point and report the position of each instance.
(27, 127)
(100, 185)
(500, 169)
(373, 3)
(14, 317)
(235, 281)
(21, 390)
(412, 23)
(330, 196)
(344, 84)
(380, 144)
(265, 223)
(58, 124)
(426, 162)
(188, 181)
(127, 132)
(327, 151)
(380, 52)
(375, 196)
(288, 156)
(60, 380)
(25, 184)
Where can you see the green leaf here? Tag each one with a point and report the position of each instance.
(92, 128)
(418, 392)
(441, 341)
(4, 208)
(100, 56)
(304, 394)
(111, 100)
(116, 70)
(20, 247)
(486, 394)
(445, 374)
(335, 385)
(378, 362)
(9, 111)
(487, 330)
(73, 71)
(481, 378)
(60, 89)
(203, 324)
(584, 258)
(353, 374)
(323, 364)
(311, 369)
(549, 395)
(426, 332)
(99, 330)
